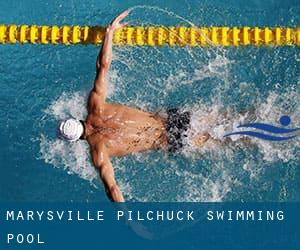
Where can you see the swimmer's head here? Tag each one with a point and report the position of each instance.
(70, 130)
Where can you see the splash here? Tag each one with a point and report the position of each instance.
(218, 120)
(73, 158)
(191, 184)
(217, 86)
(68, 105)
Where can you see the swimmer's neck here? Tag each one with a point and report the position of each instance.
(88, 130)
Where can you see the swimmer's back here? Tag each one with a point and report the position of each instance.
(126, 130)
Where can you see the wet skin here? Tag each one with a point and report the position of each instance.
(118, 130)
(113, 129)
(123, 130)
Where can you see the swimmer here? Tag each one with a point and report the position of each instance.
(114, 130)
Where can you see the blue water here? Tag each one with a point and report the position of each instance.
(42, 84)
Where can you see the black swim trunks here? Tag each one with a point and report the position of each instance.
(177, 125)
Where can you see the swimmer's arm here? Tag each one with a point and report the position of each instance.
(105, 56)
(103, 64)
(103, 164)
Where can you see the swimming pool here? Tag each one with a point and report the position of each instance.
(42, 84)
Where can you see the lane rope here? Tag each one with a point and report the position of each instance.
(152, 35)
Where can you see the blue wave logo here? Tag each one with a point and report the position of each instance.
(279, 133)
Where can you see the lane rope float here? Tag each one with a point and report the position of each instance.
(152, 35)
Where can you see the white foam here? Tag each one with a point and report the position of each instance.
(174, 182)
(216, 121)
(214, 118)
(68, 105)
(72, 157)
(271, 110)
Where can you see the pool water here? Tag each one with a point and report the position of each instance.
(43, 84)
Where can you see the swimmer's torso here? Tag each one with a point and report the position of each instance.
(124, 130)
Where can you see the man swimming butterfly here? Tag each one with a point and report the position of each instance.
(117, 130)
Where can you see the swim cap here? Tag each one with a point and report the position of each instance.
(70, 129)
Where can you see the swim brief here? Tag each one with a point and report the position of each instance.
(177, 125)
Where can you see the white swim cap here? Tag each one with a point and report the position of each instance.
(70, 130)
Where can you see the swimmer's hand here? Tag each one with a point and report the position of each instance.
(115, 24)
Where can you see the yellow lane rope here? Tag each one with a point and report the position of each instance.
(152, 35)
